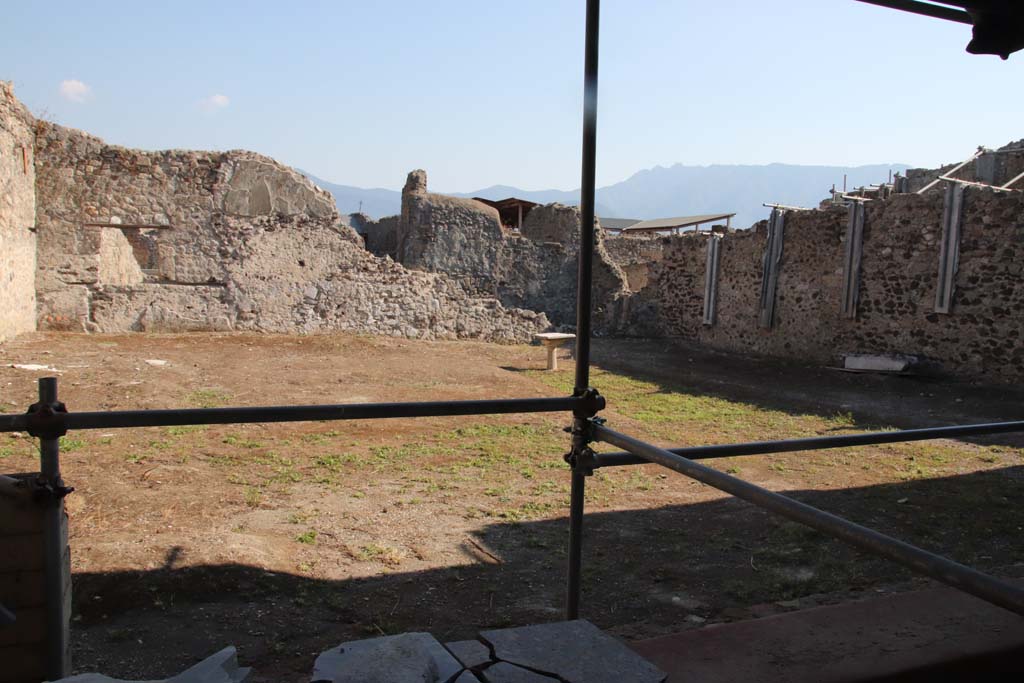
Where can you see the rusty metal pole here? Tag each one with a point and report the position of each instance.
(58, 662)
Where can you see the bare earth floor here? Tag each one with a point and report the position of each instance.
(287, 539)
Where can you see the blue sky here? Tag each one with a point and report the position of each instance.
(480, 93)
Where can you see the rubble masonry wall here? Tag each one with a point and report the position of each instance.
(535, 269)
(182, 240)
(982, 337)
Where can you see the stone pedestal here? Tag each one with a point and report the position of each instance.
(552, 341)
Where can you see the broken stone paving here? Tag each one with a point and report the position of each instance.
(569, 652)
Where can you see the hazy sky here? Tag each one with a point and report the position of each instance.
(481, 92)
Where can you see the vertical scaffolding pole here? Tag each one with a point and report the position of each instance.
(583, 305)
(58, 664)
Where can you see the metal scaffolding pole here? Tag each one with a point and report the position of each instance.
(584, 282)
(814, 443)
(51, 488)
(951, 573)
(38, 423)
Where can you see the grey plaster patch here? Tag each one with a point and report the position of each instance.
(574, 651)
(405, 658)
(472, 653)
(503, 672)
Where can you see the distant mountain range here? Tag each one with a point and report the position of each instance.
(662, 192)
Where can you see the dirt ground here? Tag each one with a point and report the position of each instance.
(286, 539)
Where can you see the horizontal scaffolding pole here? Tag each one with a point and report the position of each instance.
(814, 443)
(116, 419)
(951, 573)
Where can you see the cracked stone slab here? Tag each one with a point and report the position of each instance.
(405, 658)
(472, 653)
(221, 667)
(467, 677)
(503, 672)
(572, 651)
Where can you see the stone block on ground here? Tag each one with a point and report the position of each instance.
(472, 653)
(503, 672)
(221, 667)
(405, 658)
(571, 651)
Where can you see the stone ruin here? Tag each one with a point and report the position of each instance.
(533, 269)
(101, 238)
(95, 237)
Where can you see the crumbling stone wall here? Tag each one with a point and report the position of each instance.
(163, 241)
(991, 168)
(982, 337)
(533, 269)
(17, 216)
(636, 255)
(380, 236)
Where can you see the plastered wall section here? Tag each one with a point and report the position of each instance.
(980, 338)
(17, 217)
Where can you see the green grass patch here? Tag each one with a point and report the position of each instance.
(307, 537)
(208, 398)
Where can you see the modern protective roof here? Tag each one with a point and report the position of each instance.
(617, 223)
(506, 203)
(678, 222)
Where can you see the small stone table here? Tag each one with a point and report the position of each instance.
(554, 340)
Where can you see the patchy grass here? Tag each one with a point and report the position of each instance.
(384, 554)
(208, 398)
(307, 537)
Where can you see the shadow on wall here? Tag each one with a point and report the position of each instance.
(720, 560)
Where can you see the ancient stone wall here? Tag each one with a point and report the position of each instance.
(380, 236)
(17, 216)
(636, 255)
(983, 336)
(132, 240)
(991, 168)
(534, 269)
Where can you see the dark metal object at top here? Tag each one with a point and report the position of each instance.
(998, 24)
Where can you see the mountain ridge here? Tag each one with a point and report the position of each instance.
(663, 191)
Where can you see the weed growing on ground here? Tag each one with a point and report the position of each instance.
(208, 398)
(307, 537)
